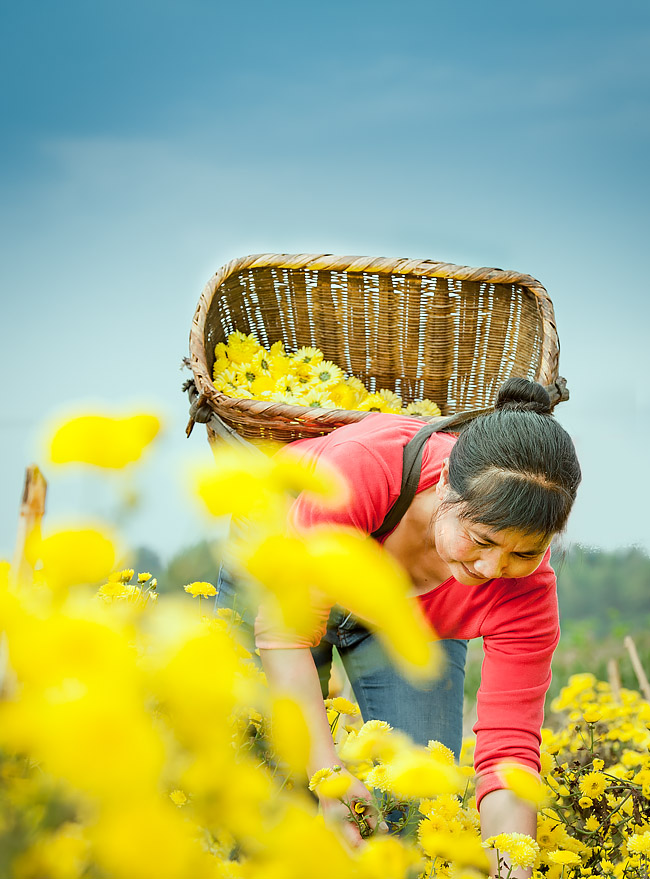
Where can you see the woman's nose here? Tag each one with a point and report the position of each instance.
(490, 565)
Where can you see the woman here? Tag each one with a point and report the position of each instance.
(475, 541)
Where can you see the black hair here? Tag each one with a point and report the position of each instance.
(515, 468)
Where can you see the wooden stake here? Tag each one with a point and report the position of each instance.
(31, 513)
(644, 686)
(614, 679)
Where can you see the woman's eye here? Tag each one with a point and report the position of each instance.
(479, 542)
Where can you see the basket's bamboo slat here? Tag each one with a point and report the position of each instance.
(422, 328)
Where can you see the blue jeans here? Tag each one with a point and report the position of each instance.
(432, 710)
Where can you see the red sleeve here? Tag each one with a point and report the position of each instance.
(520, 634)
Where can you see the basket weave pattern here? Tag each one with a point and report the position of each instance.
(420, 328)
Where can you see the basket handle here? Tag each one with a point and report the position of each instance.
(201, 411)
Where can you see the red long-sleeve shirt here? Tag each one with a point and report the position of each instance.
(517, 618)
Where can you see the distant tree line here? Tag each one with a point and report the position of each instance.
(610, 589)
(200, 561)
(600, 589)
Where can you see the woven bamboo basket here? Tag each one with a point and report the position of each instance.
(429, 329)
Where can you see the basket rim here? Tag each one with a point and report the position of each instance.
(286, 416)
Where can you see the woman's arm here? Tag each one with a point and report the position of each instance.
(293, 671)
(503, 812)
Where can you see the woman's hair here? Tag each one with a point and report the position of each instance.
(515, 468)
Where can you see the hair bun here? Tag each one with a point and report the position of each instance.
(521, 395)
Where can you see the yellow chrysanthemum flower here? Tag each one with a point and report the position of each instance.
(445, 806)
(304, 374)
(441, 752)
(178, 797)
(394, 400)
(144, 576)
(318, 398)
(375, 726)
(639, 843)
(221, 365)
(204, 590)
(281, 397)
(423, 408)
(585, 802)
(593, 785)
(319, 776)
(375, 403)
(522, 850)
(287, 385)
(564, 858)
(242, 348)
(328, 374)
(309, 355)
(343, 706)
(546, 762)
(378, 777)
(116, 589)
(343, 396)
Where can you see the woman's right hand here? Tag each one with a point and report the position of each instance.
(337, 813)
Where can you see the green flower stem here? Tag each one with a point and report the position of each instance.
(334, 723)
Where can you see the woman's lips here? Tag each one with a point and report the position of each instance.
(471, 573)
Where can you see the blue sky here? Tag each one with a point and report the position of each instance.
(146, 144)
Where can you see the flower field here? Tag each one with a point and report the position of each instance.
(138, 738)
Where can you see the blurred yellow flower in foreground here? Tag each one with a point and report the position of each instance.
(524, 783)
(247, 484)
(290, 733)
(72, 557)
(416, 773)
(345, 563)
(145, 838)
(385, 857)
(103, 441)
(329, 782)
(58, 855)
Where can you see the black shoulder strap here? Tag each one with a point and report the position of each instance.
(411, 467)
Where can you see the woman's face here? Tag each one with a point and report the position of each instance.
(476, 553)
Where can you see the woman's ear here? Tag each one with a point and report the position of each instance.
(443, 482)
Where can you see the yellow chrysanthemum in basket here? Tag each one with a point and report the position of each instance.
(244, 368)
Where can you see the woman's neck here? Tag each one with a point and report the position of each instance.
(412, 543)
